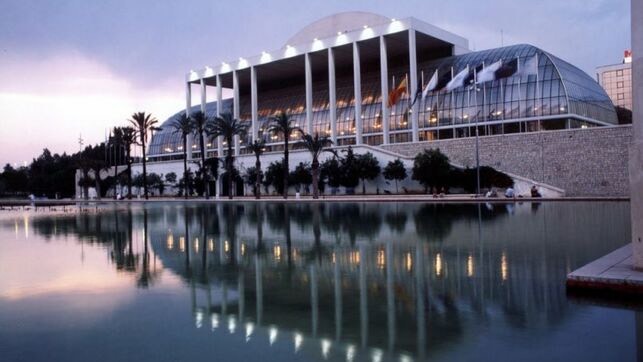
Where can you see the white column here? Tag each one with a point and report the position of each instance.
(384, 81)
(188, 106)
(253, 104)
(219, 139)
(203, 101)
(413, 78)
(636, 151)
(358, 94)
(309, 94)
(235, 106)
(332, 98)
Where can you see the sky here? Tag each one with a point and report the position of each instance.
(78, 67)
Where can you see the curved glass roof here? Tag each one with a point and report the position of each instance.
(560, 91)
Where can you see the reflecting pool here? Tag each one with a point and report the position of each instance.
(311, 282)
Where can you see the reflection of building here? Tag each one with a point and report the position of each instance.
(335, 76)
(616, 79)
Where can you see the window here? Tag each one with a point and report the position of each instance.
(619, 73)
(620, 96)
(619, 84)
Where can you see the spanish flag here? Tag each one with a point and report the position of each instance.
(395, 95)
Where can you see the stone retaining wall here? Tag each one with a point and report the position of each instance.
(583, 162)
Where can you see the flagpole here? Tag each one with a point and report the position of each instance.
(475, 76)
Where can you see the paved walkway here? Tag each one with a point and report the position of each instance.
(612, 272)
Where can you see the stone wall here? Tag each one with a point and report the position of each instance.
(583, 162)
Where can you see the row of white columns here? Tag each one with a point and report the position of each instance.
(357, 83)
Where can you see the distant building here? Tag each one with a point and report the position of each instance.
(616, 79)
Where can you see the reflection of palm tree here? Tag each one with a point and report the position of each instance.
(146, 278)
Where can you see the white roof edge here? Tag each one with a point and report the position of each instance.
(461, 46)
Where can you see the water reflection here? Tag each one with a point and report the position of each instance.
(357, 281)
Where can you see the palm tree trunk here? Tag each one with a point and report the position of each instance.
(229, 167)
(315, 172)
(144, 170)
(129, 173)
(363, 186)
(258, 178)
(204, 172)
(286, 170)
(185, 165)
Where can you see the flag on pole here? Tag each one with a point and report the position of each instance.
(530, 66)
(507, 69)
(431, 86)
(459, 80)
(488, 74)
(395, 95)
(418, 92)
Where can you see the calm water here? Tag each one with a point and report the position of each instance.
(340, 282)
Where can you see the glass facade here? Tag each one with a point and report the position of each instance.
(560, 96)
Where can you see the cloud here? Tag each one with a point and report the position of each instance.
(49, 102)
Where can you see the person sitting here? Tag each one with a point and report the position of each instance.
(510, 193)
(491, 193)
(535, 192)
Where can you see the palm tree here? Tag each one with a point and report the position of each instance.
(129, 138)
(184, 126)
(316, 145)
(201, 123)
(258, 147)
(227, 127)
(281, 123)
(143, 123)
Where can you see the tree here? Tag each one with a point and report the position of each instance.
(184, 126)
(331, 172)
(201, 124)
(251, 178)
(301, 175)
(395, 170)
(283, 124)
(431, 168)
(368, 168)
(257, 147)
(349, 171)
(116, 144)
(316, 145)
(274, 176)
(143, 123)
(170, 178)
(129, 139)
(227, 127)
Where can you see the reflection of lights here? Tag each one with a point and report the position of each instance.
(249, 329)
(381, 259)
(226, 246)
(350, 353)
(333, 257)
(298, 341)
(26, 222)
(325, 346)
(405, 358)
(272, 335)
(182, 244)
(196, 245)
(198, 319)
(232, 324)
(211, 245)
(276, 250)
(470, 266)
(170, 241)
(214, 321)
(408, 261)
(243, 249)
(503, 266)
(377, 355)
(438, 264)
(354, 257)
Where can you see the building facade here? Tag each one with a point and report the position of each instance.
(616, 79)
(335, 76)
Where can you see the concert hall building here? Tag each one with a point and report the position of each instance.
(335, 76)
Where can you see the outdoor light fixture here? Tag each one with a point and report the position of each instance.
(365, 26)
(339, 33)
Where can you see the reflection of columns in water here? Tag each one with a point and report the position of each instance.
(259, 289)
(420, 294)
(337, 282)
(363, 295)
(222, 251)
(314, 305)
(224, 298)
(193, 296)
(390, 295)
(241, 286)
